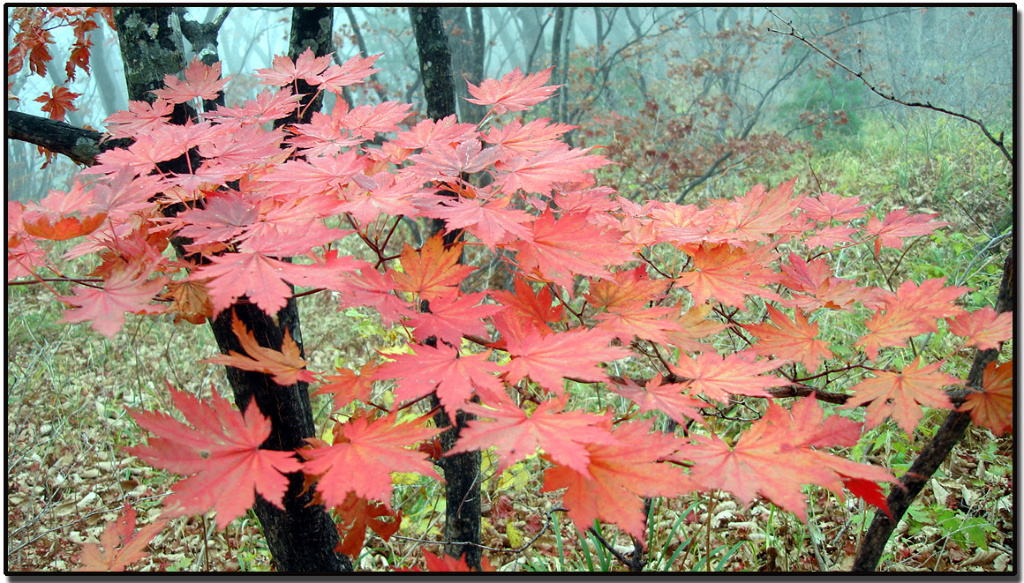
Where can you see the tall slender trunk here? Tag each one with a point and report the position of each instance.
(461, 471)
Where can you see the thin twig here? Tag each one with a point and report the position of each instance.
(997, 142)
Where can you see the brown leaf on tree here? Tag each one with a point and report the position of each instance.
(190, 301)
(285, 365)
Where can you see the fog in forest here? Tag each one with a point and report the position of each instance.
(682, 97)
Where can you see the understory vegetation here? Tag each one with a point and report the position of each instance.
(67, 388)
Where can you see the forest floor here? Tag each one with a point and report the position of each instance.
(67, 475)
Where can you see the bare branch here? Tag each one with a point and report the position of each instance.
(792, 32)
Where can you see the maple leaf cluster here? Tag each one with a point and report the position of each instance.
(265, 210)
(33, 42)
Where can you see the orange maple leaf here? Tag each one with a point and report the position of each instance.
(222, 450)
(983, 328)
(912, 310)
(789, 339)
(356, 515)
(431, 272)
(774, 457)
(728, 274)
(285, 365)
(348, 386)
(64, 228)
(665, 397)
(622, 475)
(693, 325)
(901, 395)
(992, 407)
(717, 377)
(516, 434)
(377, 448)
(58, 102)
(121, 544)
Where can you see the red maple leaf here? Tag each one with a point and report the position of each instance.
(830, 237)
(285, 366)
(369, 287)
(454, 376)
(452, 316)
(789, 339)
(983, 328)
(516, 434)
(446, 131)
(540, 172)
(755, 215)
(352, 71)
(490, 221)
(814, 286)
(125, 289)
(446, 161)
(121, 544)
(553, 251)
(901, 395)
(992, 407)
(513, 92)
(548, 358)
(378, 448)
(621, 475)
(222, 450)
(383, 193)
(717, 377)
(141, 118)
(448, 564)
(774, 457)
(284, 71)
(665, 397)
(832, 207)
(316, 174)
(899, 225)
(58, 102)
(366, 121)
(202, 81)
(525, 140)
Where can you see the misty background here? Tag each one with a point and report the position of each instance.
(688, 100)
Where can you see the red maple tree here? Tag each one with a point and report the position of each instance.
(602, 285)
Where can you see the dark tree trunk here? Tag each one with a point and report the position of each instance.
(461, 471)
(902, 495)
(302, 537)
